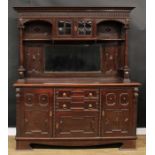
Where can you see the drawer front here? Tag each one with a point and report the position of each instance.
(89, 105)
(77, 124)
(77, 99)
(75, 92)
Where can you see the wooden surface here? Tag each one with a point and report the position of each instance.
(140, 150)
(78, 107)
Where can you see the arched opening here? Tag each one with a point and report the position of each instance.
(37, 29)
(110, 30)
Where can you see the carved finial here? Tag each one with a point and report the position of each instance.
(21, 71)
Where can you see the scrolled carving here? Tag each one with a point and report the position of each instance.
(110, 99)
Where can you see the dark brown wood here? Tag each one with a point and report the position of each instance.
(75, 108)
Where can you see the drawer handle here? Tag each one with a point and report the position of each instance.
(90, 105)
(90, 94)
(64, 94)
(64, 105)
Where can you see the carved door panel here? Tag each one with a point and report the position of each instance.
(77, 124)
(117, 117)
(36, 112)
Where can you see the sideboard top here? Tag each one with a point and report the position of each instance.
(71, 9)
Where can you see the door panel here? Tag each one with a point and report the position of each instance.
(117, 117)
(36, 112)
(76, 124)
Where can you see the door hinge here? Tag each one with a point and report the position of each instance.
(50, 113)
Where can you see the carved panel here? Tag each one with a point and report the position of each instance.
(116, 122)
(29, 99)
(43, 100)
(34, 60)
(111, 99)
(36, 123)
(37, 112)
(110, 57)
(124, 99)
(76, 124)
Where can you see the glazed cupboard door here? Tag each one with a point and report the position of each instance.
(36, 112)
(84, 28)
(118, 112)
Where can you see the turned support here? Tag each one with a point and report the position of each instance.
(126, 65)
(21, 69)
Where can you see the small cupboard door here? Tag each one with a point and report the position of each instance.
(84, 27)
(76, 124)
(117, 112)
(36, 110)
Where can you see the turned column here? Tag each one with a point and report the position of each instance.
(21, 69)
(126, 63)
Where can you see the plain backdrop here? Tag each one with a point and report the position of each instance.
(137, 46)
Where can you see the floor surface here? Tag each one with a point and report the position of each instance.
(140, 150)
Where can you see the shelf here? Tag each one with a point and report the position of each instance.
(117, 39)
(72, 39)
(37, 39)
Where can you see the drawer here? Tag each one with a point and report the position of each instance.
(76, 105)
(75, 92)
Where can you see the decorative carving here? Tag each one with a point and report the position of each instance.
(21, 71)
(75, 125)
(29, 99)
(34, 126)
(43, 99)
(124, 99)
(116, 121)
(110, 58)
(110, 99)
(34, 59)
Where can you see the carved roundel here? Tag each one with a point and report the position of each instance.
(124, 98)
(29, 99)
(43, 99)
(110, 99)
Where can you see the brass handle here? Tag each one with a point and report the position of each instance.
(64, 105)
(64, 94)
(90, 94)
(90, 105)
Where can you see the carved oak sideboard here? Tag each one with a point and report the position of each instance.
(74, 87)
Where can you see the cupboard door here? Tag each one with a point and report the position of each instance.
(64, 27)
(117, 112)
(84, 27)
(76, 124)
(36, 112)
